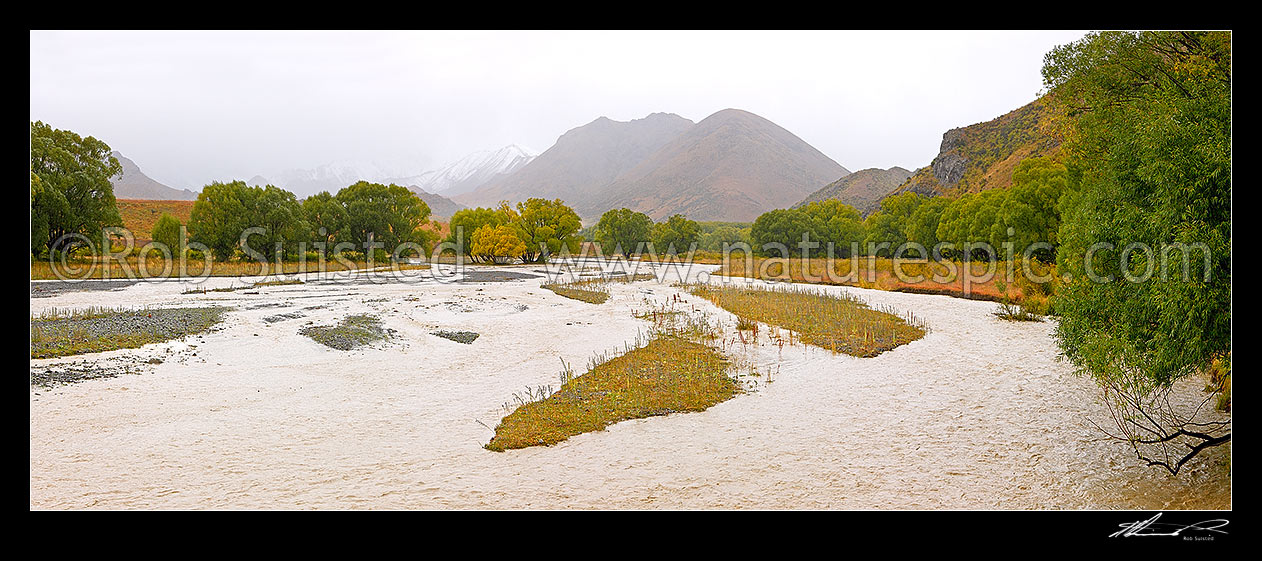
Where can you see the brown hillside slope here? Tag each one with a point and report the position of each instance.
(862, 189)
(582, 161)
(733, 165)
(140, 215)
(134, 184)
(440, 207)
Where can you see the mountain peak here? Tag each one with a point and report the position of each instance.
(733, 112)
(733, 165)
(132, 183)
(473, 170)
(583, 160)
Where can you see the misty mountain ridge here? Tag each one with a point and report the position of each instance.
(440, 208)
(733, 165)
(862, 189)
(464, 174)
(469, 172)
(583, 159)
(333, 176)
(134, 184)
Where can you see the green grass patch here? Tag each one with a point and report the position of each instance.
(595, 289)
(57, 332)
(628, 279)
(840, 323)
(668, 375)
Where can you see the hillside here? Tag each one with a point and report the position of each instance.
(733, 165)
(440, 207)
(982, 156)
(140, 215)
(134, 184)
(862, 189)
(582, 161)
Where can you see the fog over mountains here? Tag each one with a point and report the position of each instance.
(469, 172)
(582, 162)
(732, 165)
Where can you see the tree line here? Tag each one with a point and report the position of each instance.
(530, 231)
(1019, 221)
(267, 222)
(72, 203)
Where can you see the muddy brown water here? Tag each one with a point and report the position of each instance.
(979, 414)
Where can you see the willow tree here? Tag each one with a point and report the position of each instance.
(469, 220)
(385, 214)
(546, 227)
(219, 216)
(166, 231)
(624, 231)
(1145, 234)
(497, 244)
(675, 234)
(71, 191)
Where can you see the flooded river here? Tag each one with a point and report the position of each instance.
(979, 414)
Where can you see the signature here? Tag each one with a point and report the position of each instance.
(1151, 527)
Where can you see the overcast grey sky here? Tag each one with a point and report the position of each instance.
(195, 106)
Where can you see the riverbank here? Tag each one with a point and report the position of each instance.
(977, 414)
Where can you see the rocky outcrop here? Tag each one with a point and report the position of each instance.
(982, 156)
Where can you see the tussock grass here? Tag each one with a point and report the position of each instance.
(587, 290)
(590, 295)
(59, 332)
(840, 323)
(594, 290)
(284, 282)
(1030, 308)
(918, 277)
(234, 288)
(628, 279)
(55, 313)
(669, 374)
(140, 216)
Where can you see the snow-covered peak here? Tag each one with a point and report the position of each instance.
(470, 172)
(460, 176)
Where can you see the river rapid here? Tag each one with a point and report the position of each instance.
(979, 414)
